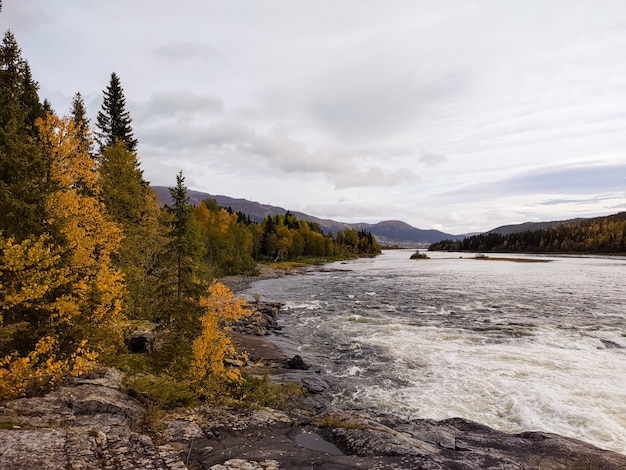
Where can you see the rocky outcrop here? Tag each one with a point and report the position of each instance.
(261, 321)
(92, 424)
(89, 424)
(460, 444)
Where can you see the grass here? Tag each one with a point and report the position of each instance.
(304, 262)
(330, 421)
(165, 392)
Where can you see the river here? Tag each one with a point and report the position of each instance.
(516, 346)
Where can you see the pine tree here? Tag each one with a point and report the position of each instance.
(113, 120)
(123, 186)
(185, 245)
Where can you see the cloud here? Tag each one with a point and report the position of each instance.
(182, 104)
(366, 102)
(589, 179)
(431, 159)
(245, 150)
(353, 211)
(185, 51)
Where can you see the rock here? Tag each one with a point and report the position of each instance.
(261, 321)
(296, 362)
(459, 443)
(143, 339)
(87, 424)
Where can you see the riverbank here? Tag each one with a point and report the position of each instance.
(91, 423)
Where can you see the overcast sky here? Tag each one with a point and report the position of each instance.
(456, 115)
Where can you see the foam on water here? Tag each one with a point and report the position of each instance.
(515, 346)
(513, 387)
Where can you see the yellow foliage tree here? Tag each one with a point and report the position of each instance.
(41, 369)
(213, 345)
(32, 276)
(228, 244)
(92, 304)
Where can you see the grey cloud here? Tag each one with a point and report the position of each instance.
(374, 176)
(558, 202)
(373, 104)
(183, 51)
(579, 180)
(179, 104)
(431, 159)
(243, 149)
(348, 210)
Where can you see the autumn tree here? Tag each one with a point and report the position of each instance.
(80, 224)
(227, 241)
(113, 120)
(213, 345)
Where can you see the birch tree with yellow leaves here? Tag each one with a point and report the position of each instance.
(81, 226)
(213, 345)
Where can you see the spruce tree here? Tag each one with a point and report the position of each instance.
(22, 162)
(81, 123)
(134, 206)
(113, 119)
(183, 281)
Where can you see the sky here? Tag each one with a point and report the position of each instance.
(455, 115)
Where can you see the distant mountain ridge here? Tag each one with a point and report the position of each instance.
(389, 232)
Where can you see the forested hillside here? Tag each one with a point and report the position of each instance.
(596, 235)
(87, 254)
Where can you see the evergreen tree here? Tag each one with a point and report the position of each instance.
(81, 122)
(22, 162)
(185, 245)
(134, 207)
(113, 119)
(183, 281)
(123, 186)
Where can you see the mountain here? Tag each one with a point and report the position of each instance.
(397, 232)
(532, 226)
(389, 232)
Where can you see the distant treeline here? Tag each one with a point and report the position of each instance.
(234, 243)
(596, 235)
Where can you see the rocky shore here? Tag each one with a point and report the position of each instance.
(91, 424)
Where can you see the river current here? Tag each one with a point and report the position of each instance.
(515, 346)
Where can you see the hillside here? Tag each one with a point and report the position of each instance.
(532, 226)
(606, 235)
(389, 232)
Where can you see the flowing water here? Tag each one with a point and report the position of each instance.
(515, 346)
